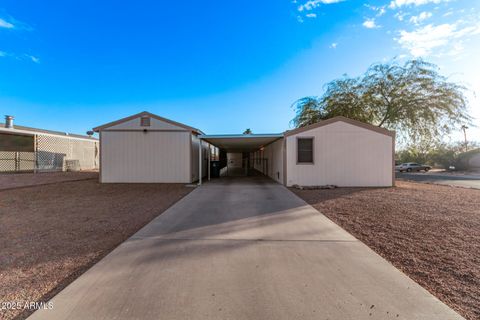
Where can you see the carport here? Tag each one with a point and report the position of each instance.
(235, 143)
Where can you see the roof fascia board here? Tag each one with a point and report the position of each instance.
(237, 136)
(142, 114)
(342, 119)
(39, 133)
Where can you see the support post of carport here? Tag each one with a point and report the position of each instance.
(209, 155)
(200, 163)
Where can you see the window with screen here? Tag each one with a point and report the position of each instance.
(305, 150)
(145, 121)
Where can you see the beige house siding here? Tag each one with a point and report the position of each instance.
(269, 161)
(273, 155)
(195, 142)
(234, 159)
(345, 155)
(154, 156)
(257, 161)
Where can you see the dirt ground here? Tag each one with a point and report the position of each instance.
(50, 234)
(430, 232)
(20, 180)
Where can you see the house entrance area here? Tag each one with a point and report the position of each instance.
(238, 155)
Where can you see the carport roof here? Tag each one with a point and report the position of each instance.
(241, 142)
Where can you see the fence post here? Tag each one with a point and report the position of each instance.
(35, 159)
(17, 161)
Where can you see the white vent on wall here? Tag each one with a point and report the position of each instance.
(145, 121)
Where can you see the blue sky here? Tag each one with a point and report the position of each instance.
(221, 66)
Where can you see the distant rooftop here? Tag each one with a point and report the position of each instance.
(27, 130)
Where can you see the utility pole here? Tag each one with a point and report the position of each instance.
(464, 128)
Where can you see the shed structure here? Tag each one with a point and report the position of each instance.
(146, 148)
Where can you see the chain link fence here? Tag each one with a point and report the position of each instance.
(15, 161)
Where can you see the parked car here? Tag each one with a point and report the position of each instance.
(412, 166)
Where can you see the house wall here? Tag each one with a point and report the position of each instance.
(345, 155)
(269, 161)
(154, 156)
(257, 161)
(194, 158)
(234, 159)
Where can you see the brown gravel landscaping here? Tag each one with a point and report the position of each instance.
(430, 232)
(52, 233)
(20, 180)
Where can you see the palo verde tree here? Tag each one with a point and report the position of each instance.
(412, 99)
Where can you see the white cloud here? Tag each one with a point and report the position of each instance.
(379, 10)
(400, 3)
(437, 40)
(334, 45)
(21, 57)
(312, 4)
(400, 16)
(6, 24)
(33, 58)
(421, 17)
(311, 15)
(370, 24)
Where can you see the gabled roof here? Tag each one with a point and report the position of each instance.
(342, 119)
(144, 114)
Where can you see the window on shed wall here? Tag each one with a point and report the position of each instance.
(145, 121)
(305, 150)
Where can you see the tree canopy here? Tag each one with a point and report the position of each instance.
(412, 99)
(247, 131)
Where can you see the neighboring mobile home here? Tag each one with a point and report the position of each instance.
(25, 149)
(338, 151)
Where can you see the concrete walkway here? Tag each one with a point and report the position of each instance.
(244, 248)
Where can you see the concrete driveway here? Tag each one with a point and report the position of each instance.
(244, 248)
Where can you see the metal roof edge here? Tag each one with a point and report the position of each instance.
(233, 136)
(32, 131)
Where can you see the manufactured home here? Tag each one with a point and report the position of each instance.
(146, 148)
(26, 149)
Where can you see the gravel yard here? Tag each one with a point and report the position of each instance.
(20, 180)
(430, 232)
(52, 233)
